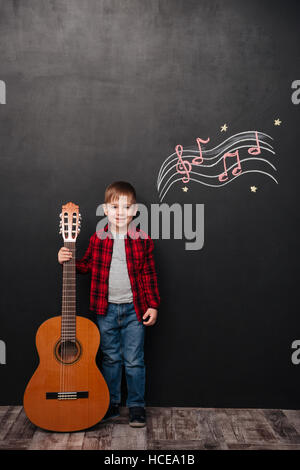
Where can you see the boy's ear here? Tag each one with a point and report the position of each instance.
(104, 208)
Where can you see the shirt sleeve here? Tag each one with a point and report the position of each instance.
(84, 265)
(149, 276)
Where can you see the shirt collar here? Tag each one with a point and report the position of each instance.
(132, 231)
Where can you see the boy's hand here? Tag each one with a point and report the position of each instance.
(152, 313)
(64, 254)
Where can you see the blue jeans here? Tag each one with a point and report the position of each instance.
(122, 342)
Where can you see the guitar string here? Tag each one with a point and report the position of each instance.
(65, 323)
(69, 318)
(74, 305)
(66, 317)
(61, 335)
(67, 335)
(69, 326)
(71, 314)
(62, 325)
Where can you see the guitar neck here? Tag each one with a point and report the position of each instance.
(68, 317)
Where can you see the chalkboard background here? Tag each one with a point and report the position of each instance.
(103, 90)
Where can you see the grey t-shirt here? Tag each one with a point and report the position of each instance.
(119, 287)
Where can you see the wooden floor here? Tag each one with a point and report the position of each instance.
(167, 428)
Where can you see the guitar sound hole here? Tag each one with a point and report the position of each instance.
(67, 351)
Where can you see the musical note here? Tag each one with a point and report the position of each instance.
(183, 166)
(235, 171)
(208, 173)
(199, 160)
(255, 150)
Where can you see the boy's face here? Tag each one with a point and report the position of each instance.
(120, 213)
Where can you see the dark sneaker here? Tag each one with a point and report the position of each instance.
(137, 417)
(112, 412)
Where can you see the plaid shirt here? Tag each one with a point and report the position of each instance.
(140, 264)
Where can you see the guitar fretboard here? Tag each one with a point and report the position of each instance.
(68, 318)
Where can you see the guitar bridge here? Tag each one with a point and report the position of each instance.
(66, 395)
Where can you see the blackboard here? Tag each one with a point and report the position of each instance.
(103, 90)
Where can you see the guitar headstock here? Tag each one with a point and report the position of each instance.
(70, 222)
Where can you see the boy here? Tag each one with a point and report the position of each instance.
(124, 293)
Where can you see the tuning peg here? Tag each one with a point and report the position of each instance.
(78, 230)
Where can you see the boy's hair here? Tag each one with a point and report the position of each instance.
(117, 189)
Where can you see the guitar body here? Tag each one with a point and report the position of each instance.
(67, 391)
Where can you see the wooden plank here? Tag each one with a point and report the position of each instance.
(90, 442)
(22, 428)
(8, 420)
(250, 426)
(178, 428)
(75, 441)
(39, 440)
(264, 430)
(12, 444)
(185, 423)
(159, 423)
(57, 441)
(168, 444)
(3, 412)
(219, 425)
(207, 434)
(124, 437)
(47, 440)
(283, 429)
(190, 427)
(264, 446)
(99, 438)
(105, 437)
(239, 419)
(293, 417)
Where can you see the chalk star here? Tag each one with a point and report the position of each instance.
(224, 128)
(185, 189)
(253, 189)
(277, 122)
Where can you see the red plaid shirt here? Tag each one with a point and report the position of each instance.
(140, 264)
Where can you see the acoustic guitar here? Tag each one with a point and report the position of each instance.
(67, 392)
